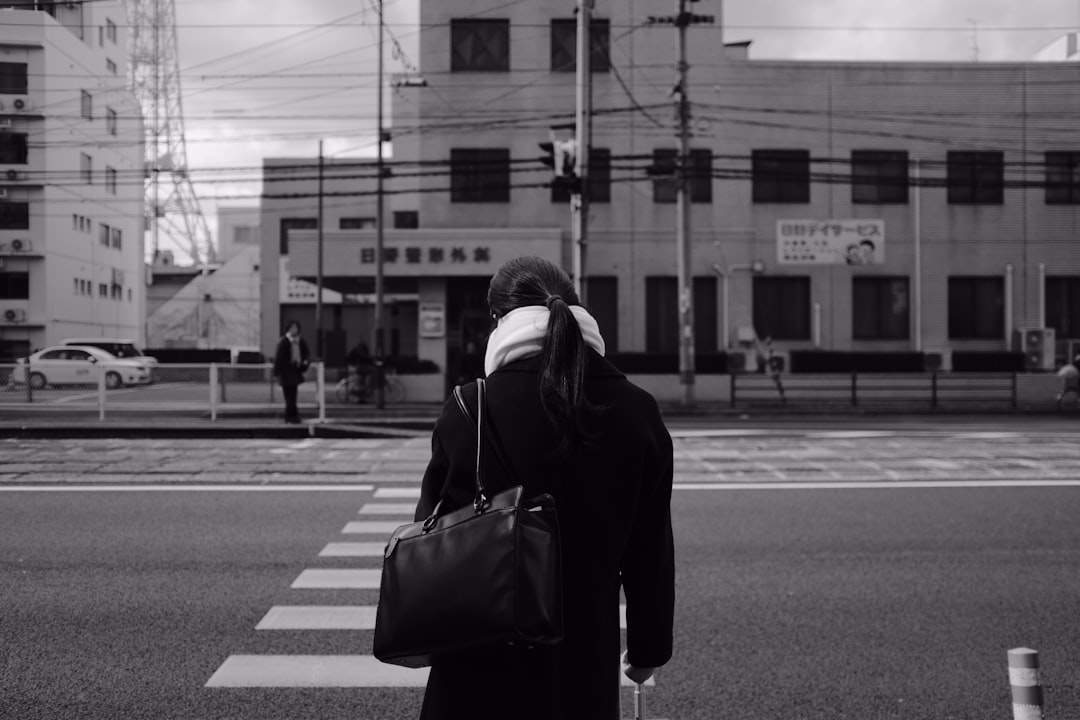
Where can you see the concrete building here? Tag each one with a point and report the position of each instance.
(71, 177)
(835, 206)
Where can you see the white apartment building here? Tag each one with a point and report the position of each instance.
(71, 177)
(836, 207)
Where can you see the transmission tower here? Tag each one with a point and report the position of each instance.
(172, 207)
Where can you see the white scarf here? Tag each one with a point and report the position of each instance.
(521, 331)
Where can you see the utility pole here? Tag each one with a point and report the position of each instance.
(380, 397)
(579, 199)
(319, 269)
(682, 210)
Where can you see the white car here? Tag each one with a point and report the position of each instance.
(78, 365)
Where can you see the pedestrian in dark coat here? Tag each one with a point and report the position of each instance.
(291, 361)
(567, 422)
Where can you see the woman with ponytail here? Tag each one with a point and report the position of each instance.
(561, 419)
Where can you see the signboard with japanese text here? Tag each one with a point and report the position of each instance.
(830, 242)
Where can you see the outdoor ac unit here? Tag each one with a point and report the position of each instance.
(938, 360)
(20, 245)
(21, 104)
(15, 315)
(3, 192)
(1072, 349)
(5, 123)
(1037, 344)
(742, 360)
(13, 175)
(779, 362)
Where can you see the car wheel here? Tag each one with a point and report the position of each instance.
(113, 381)
(37, 380)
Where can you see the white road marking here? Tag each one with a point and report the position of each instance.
(371, 527)
(343, 671)
(319, 617)
(875, 484)
(186, 488)
(335, 579)
(358, 549)
(388, 509)
(396, 493)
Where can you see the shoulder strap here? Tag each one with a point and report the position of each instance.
(481, 396)
(481, 498)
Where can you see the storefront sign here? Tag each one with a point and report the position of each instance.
(413, 255)
(830, 242)
(432, 320)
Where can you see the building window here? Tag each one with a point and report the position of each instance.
(86, 105)
(110, 66)
(1062, 178)
(117, 238)
(666, 185)
(479, 45)
(662, 314)
(1063, 307)
(103, 290)
(86, 168)
(13, 148)
(782, 307)
(110, 121)
(288, 224)
(564, 45)
(879, 176)
(110, 180)
(110, 31)
(14, 216)
(780, 176)
(479, 176)
(880, 308)
(976, 178)
(13, 78)
(356, 223)
(406, 219)
(976, 308)
(14, 286)
(599, 179)
(602, 298)
(104, 233)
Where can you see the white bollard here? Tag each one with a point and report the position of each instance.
(213, 391)
(1027, 698)
(320, 388)
(101, 393)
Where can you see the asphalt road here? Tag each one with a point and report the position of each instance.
(809, 596)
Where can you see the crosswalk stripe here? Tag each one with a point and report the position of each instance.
(343, 671)
(324, 578)
(371, 527)
(388, 509)
(319, 617)
(357, 549)
(396, 493)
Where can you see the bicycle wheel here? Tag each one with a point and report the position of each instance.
(1069, 401)
(395, 390)
(341, 390)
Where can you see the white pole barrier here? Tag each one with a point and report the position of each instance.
(1027, 698)
(213, 391)
(320, 387)
(101, 393)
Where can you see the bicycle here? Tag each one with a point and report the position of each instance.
(1069, 400)
(350, 388)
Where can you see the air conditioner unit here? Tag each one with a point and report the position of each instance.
(15, 315)
(5, 123)
(1072, 350)
(1037, 344)
(20, 245)
(779, 362)
(13, 175)
(742, 360)
(21, 104)
(3, 192)
(938, 360)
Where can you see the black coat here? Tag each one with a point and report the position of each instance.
(287, 373)
(614, 505)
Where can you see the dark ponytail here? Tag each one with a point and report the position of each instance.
(564, 354)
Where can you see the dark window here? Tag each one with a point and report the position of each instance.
(13, 78)
(406, 219)
(478, 176)
(666, 187)
(14, 286)
(479, 45)
(976, 178)
(879, 176)
(976, 308)
(13, 148)
(781, 176)
(1063, 307)
(110, 180)
(782, 308)
(356, 223)
(288, 224)
(10, 350)
(110, 121)
(564, 45)
(104, 233)
(14, 215)
(602, 299)
(110, 30)
(86, 168)
(1062, 178)
(880, 308)
(599, 179)
(110, 66)
(662, 314)
(117, 238)
(86, 105)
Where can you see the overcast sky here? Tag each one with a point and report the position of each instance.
(269, 78)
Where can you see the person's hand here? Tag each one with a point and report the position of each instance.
(636, 674)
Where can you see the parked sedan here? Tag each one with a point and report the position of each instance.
(78, 365)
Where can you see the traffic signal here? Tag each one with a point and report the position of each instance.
(561, 157)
